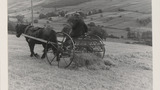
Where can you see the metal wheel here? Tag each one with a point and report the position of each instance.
(66, 49)
(97, 45)
(51, 52)
(90, 44)
(82, 46)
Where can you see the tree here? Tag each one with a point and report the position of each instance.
(91, 24)
(100, 11)
(50, 19)
(147, 37)
(41, 16)
(62, 13)
(51, 14)
(47, 22)
(36, 21)
(20, 18)
(101, 15)
(128, 29)
(95, 30)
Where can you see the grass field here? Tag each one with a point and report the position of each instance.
(132, 70)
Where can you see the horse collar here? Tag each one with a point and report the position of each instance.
(27, 28)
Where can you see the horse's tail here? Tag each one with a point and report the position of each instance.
(53, 36)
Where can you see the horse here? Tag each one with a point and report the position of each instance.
(40, 33)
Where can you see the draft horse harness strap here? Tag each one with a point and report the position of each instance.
(27, 28)
(38, 39)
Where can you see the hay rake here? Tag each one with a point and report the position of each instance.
(68, 47)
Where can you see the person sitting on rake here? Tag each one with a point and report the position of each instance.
(76, 28)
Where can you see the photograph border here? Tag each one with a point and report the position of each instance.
(4, 45)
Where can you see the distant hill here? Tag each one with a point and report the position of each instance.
(116, 17)
(106, 5)
(63, 3)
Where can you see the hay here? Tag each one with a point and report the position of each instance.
(90, 61)
(144, 66)
(109, 63)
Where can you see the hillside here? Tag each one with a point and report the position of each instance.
(63, 3)
(106, 5)
(117, 14)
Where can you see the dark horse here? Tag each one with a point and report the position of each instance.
(37, 32)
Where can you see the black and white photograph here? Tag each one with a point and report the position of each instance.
(80, 45)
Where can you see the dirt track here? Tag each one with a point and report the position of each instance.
(132, 70)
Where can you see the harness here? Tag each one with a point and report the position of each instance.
(27, 28)
(28, 39)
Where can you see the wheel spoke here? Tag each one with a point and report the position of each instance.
(50, 56)
(53, 59)
(65, 61)
(66, 45)
(63, 39)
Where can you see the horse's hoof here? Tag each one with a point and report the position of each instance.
(31, 55)
(42, 57)
(36, 55)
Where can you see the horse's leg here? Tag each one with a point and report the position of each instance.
(57, 55)
(44, 51)
(35, 54)
(31, 45)
(56, 52)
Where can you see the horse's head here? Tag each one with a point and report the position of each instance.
(20, 29)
